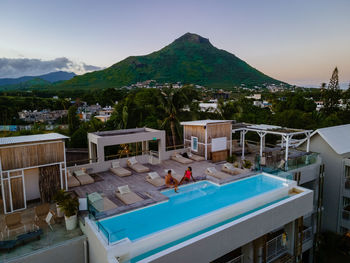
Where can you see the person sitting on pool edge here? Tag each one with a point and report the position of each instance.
(187, 176)
(170, 181)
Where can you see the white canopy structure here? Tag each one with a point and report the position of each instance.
(263, 129)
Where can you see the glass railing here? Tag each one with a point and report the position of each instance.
(301, 161)
(307, 234)
(275, 248)
(292, 164)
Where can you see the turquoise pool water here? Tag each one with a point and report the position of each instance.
(193, 200)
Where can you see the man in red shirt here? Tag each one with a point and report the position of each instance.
(187, 176)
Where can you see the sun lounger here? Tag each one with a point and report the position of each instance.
(127, 196)
(195, 157)
(13, 222)
(154, 179)
(215, 173)
(83, 177)
(177, 157)
(72, 181)
(120, 171)
(229, 168)
(101, 203)
(136, 166)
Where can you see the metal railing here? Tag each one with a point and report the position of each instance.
(275, 248)
(239, 259)
(347, 183)
(346, 215)
(307, 234)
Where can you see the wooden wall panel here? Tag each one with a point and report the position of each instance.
(219, 130)
(196, 131)
(31, 155)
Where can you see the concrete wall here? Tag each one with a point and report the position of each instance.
(332, 181)
(71, 251)
(222, 240)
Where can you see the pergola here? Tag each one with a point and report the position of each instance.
(97, 141)
(263, 129)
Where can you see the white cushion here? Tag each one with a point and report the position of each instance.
(115, 164)
(153, 175)
(229, 166)
(178, 155)
(133, 160)
(79, 172)
(211, 169)
(124, 189)
(189, 154)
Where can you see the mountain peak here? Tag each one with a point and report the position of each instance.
(192, 38)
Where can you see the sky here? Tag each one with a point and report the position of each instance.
(297, 41)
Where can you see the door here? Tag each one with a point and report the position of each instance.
(13, 191)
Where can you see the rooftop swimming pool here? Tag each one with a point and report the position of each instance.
(192, 201)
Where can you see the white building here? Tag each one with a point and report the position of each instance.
(333, 144)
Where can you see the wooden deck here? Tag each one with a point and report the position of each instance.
(138, 184)
(137, 181)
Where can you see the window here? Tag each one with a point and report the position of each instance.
(194, 144)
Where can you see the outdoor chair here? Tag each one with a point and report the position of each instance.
(136, 166)
(44, 215)
(195, 157)
(13, 222)
(127, 196)
(211, 171)
(118, 170)
(180, 159)
(83, 177)
(154, 179)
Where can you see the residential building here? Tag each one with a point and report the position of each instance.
(44, 116)
(333, 145)
(268, 212)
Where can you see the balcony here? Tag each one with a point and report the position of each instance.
(346, 191)
(346, 218)
(275, 248)
(239, 259)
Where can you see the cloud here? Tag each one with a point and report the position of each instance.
(18, 67)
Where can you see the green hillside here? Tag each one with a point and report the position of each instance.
(189, 59)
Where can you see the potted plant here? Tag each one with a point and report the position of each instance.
(70, 207)
(59, 198)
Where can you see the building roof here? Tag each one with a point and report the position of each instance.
(31, 138)
(204, 122)
(338, 137)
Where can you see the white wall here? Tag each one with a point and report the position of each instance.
(31, 181)
(332, 181)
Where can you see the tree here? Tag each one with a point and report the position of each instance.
(173, 101)
(331, 94)
(73, 120)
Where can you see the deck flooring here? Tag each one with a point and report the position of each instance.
(137, 181)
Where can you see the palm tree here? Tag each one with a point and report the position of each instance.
(172, 101)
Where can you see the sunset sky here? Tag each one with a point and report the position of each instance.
(297, 41)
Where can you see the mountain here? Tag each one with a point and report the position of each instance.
(50, 77)
(189, 59)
